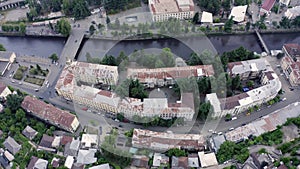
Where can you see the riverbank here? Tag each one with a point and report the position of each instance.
(158, 36)
(154, 36)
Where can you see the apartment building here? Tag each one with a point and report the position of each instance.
(290, 63)
(162, 141)
(69, 87)
(167, 76)
(162, 10)
(258, 68)
(51, 114)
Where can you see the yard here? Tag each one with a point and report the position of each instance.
(37, 70)
(34, 80)
(20, 72)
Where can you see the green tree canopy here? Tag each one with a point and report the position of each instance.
(109, 60)
(2, 48)
(64, 27)
(176, 152)
(54, 57)
(13, 101)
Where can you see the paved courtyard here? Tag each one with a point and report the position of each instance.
(16, 14)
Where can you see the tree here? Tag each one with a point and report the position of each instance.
(248, 24)
(117, 23)
(212, 6)
(92, 29)
(109, 60)
(122, 57)
(296, 22)
(285, 23)
(107, 20)
(236, 82)
(194, 60)
(250, 83)
(14, 101)
(2, 48)
(16, 28)
(196, 18)
(228, 25)
(226, 5)
(53, 57)
(20, 114)
(80, 9)
(120, 116)
(64, 27)
(204, 110)
(176, 152)
(67, 7)
(38, 67)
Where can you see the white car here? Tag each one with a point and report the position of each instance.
(284, 99)
(220, 133)
(231, 129)
(20, 83)
(233, 118)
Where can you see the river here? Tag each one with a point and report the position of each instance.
(42, 46)
(46, 46)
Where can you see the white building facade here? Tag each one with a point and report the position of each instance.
(270, 86)
(162, 10)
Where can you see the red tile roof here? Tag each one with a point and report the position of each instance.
(268, 4)
(48, 112)
(65, 140)
(2, 87)
(292, 49)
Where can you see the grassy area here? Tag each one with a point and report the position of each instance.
(38, 71)
(34, 80)
(20, 72)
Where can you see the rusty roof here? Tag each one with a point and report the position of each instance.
(166, 140)
(48, 112)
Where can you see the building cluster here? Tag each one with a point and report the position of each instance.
(270, 85)
(78, 152)
(167, 140)
(74, 76)
(6, 60)
(290, 63)
(162, 10)
(50, 114)
(6, 5)
(256, 128)
(162, 141)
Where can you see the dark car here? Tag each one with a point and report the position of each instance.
(120, 125)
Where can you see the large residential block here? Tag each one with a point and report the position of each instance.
(162, 10)
(290, 63)
(257, 68)
(50, 114)
(70, 86)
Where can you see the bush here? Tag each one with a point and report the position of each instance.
(34, 80)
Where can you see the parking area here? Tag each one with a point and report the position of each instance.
(15, 14)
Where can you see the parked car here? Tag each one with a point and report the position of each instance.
(231, 129)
